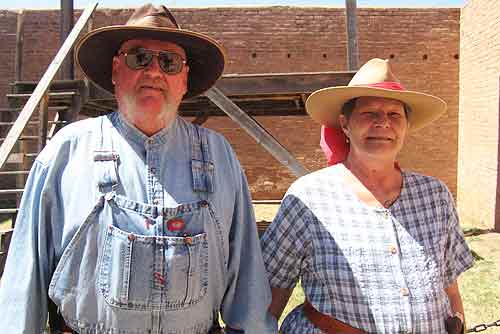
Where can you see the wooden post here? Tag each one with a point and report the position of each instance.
(18, 68)
(352, 38)
(43, 118)
(256, 131)
(67, 71)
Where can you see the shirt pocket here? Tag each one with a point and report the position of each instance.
(155, 272)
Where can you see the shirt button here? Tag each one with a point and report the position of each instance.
(393, 249)
(386, 214)
(405, 292)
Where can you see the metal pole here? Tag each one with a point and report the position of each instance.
(19, 47)
(67, 72)
(352, 38)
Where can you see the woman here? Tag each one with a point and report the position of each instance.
(377, 249)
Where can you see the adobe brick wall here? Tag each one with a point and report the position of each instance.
(423, 44)
(478, 197)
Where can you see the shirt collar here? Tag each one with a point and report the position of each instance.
(133, 134)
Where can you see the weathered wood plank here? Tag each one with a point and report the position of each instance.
(43, 122)
(256, 131)
(18, 66)
(352, 35)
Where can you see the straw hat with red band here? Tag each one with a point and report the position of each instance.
(205, 57)
(374, 78)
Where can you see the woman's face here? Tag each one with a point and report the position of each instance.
(377, 127)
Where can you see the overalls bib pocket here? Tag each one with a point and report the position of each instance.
(157, 269)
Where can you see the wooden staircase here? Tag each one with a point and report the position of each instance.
(25, 132)
(60, 106)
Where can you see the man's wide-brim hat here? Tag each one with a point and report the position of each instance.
(375, 78)
(205, 57)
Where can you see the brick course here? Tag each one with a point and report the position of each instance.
(423, 45)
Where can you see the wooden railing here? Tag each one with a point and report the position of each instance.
(40, 93)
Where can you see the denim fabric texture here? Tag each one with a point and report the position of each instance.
(135, 234)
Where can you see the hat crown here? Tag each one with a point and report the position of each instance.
(152, 17)
(374, 71)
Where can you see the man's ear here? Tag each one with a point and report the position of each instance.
(114, 68)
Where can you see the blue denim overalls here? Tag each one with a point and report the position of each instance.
(138, 268)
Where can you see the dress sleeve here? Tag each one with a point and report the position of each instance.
(25, 282)
(284, 244)
(458, 257)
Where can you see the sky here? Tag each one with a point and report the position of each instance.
(54, 4)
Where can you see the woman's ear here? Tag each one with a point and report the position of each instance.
(343, 124)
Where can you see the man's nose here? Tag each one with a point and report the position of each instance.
(154, 67)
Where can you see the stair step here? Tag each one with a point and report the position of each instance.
(24, 138)
(15, 158)
(53, 94)
(35, 123)
(11, 191)
(13, 210)
(14, 172)
(19, 158)
(53, 108)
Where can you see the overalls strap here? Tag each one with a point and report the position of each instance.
(202, 166)
(105, 159)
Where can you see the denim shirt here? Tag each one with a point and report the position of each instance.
(136, 234)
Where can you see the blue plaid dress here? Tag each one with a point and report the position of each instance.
(380, 270)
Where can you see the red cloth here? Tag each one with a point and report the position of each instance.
(385, 85)
(334, 145)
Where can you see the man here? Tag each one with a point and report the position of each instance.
(138, 221)
(377, 249)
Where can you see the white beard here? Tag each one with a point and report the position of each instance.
(128, 108)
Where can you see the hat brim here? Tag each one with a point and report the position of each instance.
(95, 51)
(325, 105)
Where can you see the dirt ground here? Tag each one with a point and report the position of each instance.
(265, 211)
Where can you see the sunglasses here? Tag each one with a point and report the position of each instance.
(170, 62)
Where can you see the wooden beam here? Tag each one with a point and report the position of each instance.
(18, 67)
(42, 86)
(256, 131)
(43, 118)
(266, 84)
(66, 16)
(280, 83)
(352, 35)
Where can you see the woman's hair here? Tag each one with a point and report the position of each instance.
(348, 107)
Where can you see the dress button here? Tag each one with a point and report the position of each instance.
(393, 249)
(405, 292)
